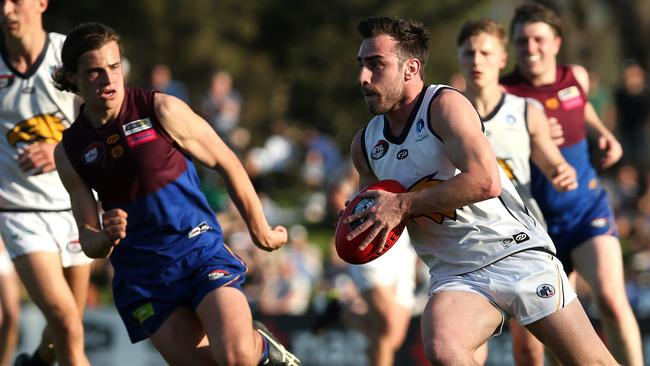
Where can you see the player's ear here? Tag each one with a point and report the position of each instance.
(42, 5)
(411, 68)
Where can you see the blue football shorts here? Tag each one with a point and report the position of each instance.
(145, 307)
(587, 222)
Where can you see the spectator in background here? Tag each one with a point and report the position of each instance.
(275, 155)
(322, 158)
(601, 99)
(306, 257)
(632, 100)
(161, 80)
(221, 105)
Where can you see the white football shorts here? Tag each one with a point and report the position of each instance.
(394, 268)
(29, 232)
(527, 286)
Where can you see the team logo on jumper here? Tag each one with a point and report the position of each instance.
(112, 138)
(117, 151)
(521, 237)
(92, 153)
(402, 154)
(599, 223)
(136, 126)
(552, 103)
(6, 80)
(420, 130)
(217, 274)
(428, 182)
(41, 128)
(379, 150)
(198, 230)
(510, 119)
(143, 312)
(141, 138)
(73, 247)
(545, 291)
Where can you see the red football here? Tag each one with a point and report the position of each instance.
(348, 250)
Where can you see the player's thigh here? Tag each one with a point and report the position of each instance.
(599, 261)
(227, 319)
(78, 278)
(570, 336)
(181, 339)
(42, 275)
(459, 319)
(386, 315)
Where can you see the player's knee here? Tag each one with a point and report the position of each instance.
(235, 355)
(67, 326)
(441, 352)
(9, 316)
(610, 306)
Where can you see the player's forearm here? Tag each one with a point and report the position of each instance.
(241, 191)
(94, 243)
(595, 126)
(462, 190)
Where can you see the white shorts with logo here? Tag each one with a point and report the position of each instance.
(527, 286)
(29, 232)
(394, 268)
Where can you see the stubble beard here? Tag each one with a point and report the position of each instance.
(389, 100)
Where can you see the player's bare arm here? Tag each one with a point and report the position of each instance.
(545, 153)
(455, 121)
(197, 138)
(96, 241)
(607, 142)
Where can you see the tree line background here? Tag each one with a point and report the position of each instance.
(296, 60)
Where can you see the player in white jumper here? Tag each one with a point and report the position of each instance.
(488, 258)
(35, 218)
(517, 130)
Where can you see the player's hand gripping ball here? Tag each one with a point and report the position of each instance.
(349, 250)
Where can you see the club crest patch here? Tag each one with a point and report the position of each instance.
(92, 153)
(545, 291)
(379, 150)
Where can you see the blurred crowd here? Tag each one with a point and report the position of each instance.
(303, 176)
